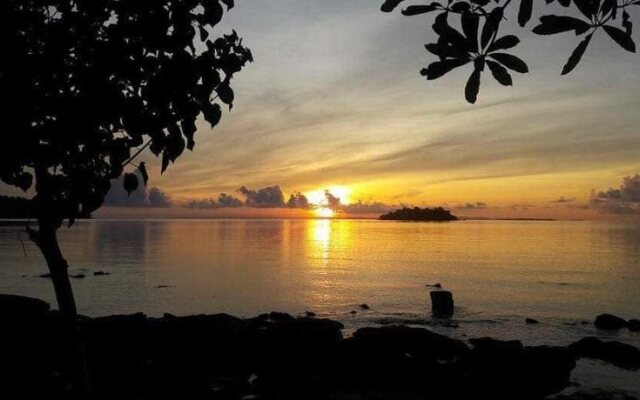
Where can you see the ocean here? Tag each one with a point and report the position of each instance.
(561, 273)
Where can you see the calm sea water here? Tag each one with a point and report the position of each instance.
(500, 272)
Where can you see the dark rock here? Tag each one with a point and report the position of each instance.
(634, 325)
(608, 321)
(273, 317)
(508, 370)
(619, 354)
(353, 312)
(271, 356)
(398, 356)
(489, 348)
(309, 314)
(531, 321)
(364, 306)
(165, 286)
(403, 339)
(441, 303)
(596, 394)
(21, 306)
(101, 273)
(78, 276)
(47, 275)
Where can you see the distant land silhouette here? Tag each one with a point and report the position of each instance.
(437, 214)
(14, 207)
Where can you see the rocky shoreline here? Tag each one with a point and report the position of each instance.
(278, 356)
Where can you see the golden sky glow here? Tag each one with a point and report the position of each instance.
(324, 212)
(334, 102)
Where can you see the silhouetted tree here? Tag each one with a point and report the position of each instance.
(87, 85)
(479, 42)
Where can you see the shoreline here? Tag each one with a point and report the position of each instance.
(277, 355)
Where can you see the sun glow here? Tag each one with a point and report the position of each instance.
(324, 212)
(319, 197)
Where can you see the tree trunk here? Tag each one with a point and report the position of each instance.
(47, 240)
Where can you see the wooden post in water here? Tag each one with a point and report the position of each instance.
(441, 303)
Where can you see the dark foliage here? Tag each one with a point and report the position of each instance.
(480, 44)
(420, 214)
(87, 85)
(84, 83)
(14, 207)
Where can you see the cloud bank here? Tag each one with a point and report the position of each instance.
(624, 200)
(141, 197)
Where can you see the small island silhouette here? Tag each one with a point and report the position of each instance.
(420, 214)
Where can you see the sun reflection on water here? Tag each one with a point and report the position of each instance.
(320, 235)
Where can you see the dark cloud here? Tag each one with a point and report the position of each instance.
(521, 207)
(227, 200)
(270, 196)
(141, 197)
(624, 200)
(332, 201)
(298, 200)
(563, 199)
(224, 201)
(157, 198)
(479, 205)
(374, 207)
(411, 193)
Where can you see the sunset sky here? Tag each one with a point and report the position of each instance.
(334, 99)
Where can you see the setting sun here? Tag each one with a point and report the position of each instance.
(319, 197)
(325, 212)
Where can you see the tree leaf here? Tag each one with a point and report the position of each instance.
(450, 35)
(212, 113)
(491, 25)
(473, 87)
(504, 43)
(470, 24)
(225, 93)
(24, 181)
(415, 10)
(165, 161)
(626, 22)
(228, 3)
(576, 55)
(621, 37)
(552, 24)
(130, 183)
(142, 167)
(524, 14)
(390, 5)
(510, 61)
(500, 73)
(437, 69)
(608, 6)
(586, 7)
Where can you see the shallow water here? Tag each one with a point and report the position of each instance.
(500, 272)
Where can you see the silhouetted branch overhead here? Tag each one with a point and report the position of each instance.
(85, 83)
(455, 49)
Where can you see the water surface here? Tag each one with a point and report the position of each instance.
(500, 272)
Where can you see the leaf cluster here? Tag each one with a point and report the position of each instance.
(85, 83)
(479, 43)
